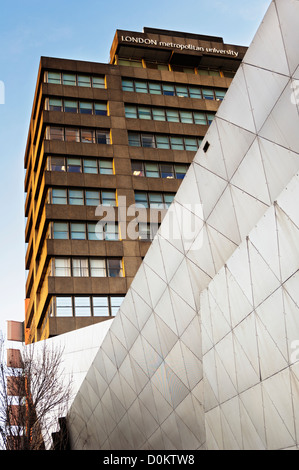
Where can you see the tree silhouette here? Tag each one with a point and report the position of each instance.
(34, 398)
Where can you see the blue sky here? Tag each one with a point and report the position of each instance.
(74, 29)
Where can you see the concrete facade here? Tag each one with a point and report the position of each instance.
(90, 123)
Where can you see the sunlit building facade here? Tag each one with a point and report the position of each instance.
(103, 139)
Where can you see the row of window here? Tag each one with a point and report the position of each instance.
(175, 68)
(73, 79)
(153, 200)
(84, 231)
(136, 139)
(81, 197)
(86, 306)
(159, 170)
(107, 198)
(75, 106)
(185, 91)
(102, 166)
(162, 141)
(87, 267)
(169, 114)
(70, 134)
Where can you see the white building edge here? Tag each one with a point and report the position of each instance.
(203, 353)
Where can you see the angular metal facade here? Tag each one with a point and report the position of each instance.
(202, 353)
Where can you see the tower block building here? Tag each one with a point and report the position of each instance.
(105, 140)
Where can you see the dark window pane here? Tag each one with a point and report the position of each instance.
(57, 164)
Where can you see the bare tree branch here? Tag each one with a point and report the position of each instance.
(33, 397)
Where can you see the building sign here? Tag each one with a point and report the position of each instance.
(173, 45)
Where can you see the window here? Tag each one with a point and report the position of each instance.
(92, 198)
(129, 62)
(140, 87)
(156, 170)
(82, 307)
(84, 80)
(114, 267)
(80, 267)
(168, 114)
(127, 85)
(200, 118)
(105, 231)
(191, 144)
(207, 94)
(85, 107)
(130, 111)
(106, 167)
(186, 117)
(144, 112)
(60, 231)
(147, 140)
(177, 143)
(172, 115)
(181, 91)
(210, 117)
(79, 197)
(74, 165)
(77, 231)
(220, 94)
(168, 90)
(87, 136)
(74, 79)
(55, 133)
(108, 198)
(137, 168)
(98, 82)
(100, 307)
(180, 171)
(162, 142)
(70, 106)
(55, 104)
(62, 267)
(69, 79)
(147, 231)
(91, 231)
(141, 199)
(59, 196)
(115, 304)
(64, 307)
(97, 268)
(158, 114)
(100, 109)
(111, 231)
(102, 137)
(184, 91)
(152, 170)
(77, 135)
(54, 77)
(72, 135)
(153, 200)
(57, 164)
(76, 197)
(168, 198)
(155, 88)
(167, 171)
(134, 139)
(195, 92)
(90, 166)
(74, 106)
